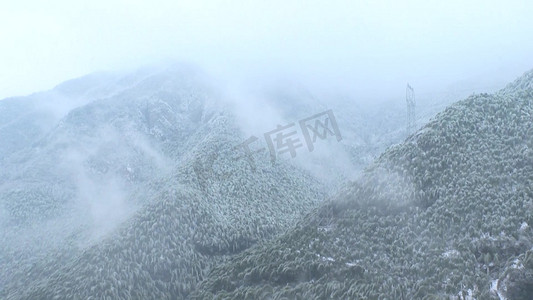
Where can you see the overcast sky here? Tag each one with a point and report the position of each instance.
(373, 47)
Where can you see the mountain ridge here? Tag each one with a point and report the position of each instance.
(442, 215)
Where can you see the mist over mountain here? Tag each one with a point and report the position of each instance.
(445, 214)
(281, 149)
(143, 166)
(134, 185)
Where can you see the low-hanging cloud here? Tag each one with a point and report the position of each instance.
(370, 49)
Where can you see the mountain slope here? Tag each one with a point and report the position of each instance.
(158, 160)
(444, 214)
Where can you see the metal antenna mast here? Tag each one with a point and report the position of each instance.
(411, 118)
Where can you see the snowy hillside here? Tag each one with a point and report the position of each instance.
(135, 185)
(445, 214)
(135, 171)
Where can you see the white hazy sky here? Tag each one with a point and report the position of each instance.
(369, 46)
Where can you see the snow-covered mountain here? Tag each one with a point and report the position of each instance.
(134, 186)
(444, 215)
(150, 173)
